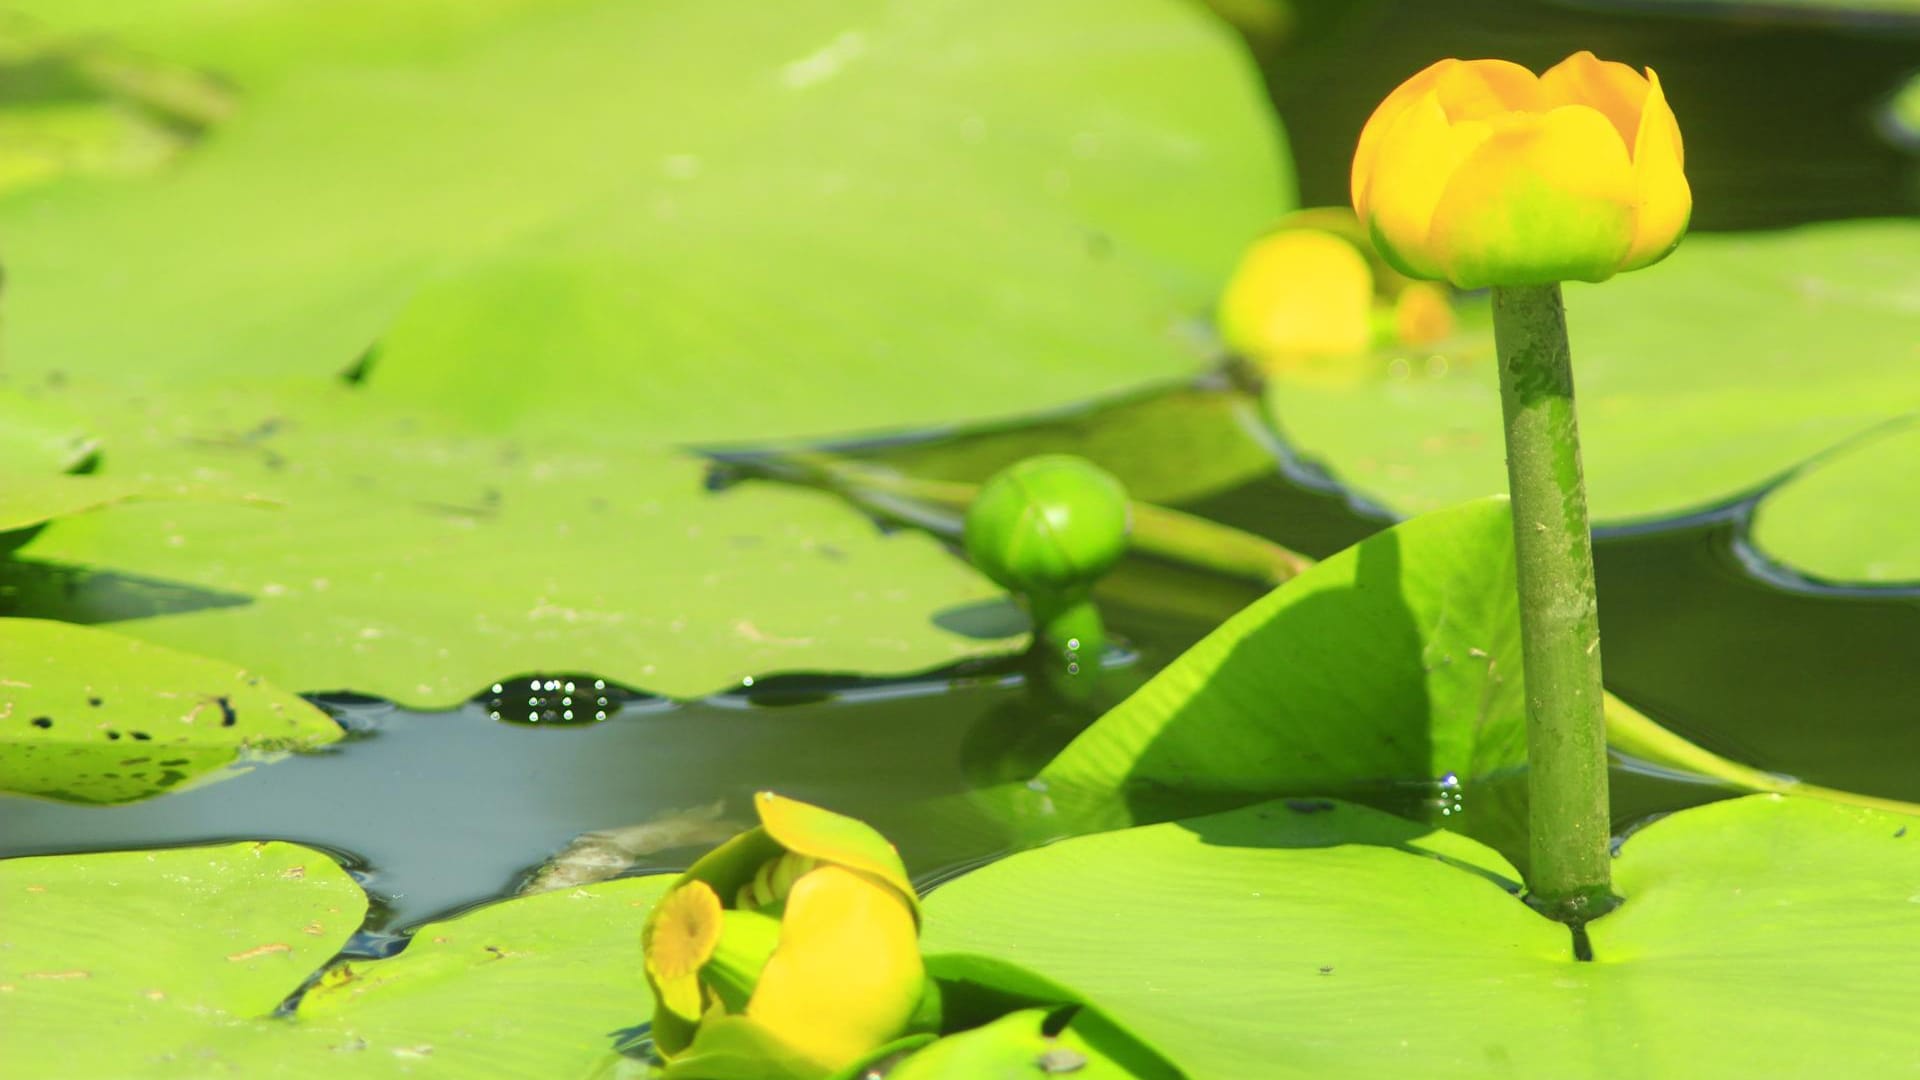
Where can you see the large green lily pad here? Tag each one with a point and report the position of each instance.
(92, 716)
(1759, 936)
(413, 562)
(608, 219)
(114, 963)
(1849, 518)
(1700, 379)
(1900, 117)
(531, 987)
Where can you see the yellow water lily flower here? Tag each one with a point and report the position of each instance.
(1481, 173)
(791, 950)
(1313, 287)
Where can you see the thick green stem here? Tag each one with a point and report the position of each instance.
(1067, 630)
(1559, 617)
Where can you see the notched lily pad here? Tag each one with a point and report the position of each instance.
(1759, 936)
(530, 987)
(92, 716)
(112, 961)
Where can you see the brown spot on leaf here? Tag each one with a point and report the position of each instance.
(262, 950)
(60, 976)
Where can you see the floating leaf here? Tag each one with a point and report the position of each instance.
(91, 716)
(1900, 117)
(531, 987)
(1701, 379)
(1019, 1044)
(1762, 935)
(422, 565)
(841, 209)
(1849, 517)
(115, 962)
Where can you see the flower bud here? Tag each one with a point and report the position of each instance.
(1048, 525)
(1480, 173)
(815, 964)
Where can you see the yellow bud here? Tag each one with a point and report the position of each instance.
(1480, 173)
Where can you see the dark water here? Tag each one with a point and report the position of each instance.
(439, 811)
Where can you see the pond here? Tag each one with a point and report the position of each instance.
(658, 417)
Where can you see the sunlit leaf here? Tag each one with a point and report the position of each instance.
(92, 716)
(1699, 379)
(1759, 936)
(422, 565)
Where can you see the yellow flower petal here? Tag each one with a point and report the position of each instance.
(1616, 90)
(847, 974)
(1543, 199)
(1384, 115)
(1479, 89)
(805, 829)
(678, 938)
(1663, 202)
(1298, 292)
(1417, 157)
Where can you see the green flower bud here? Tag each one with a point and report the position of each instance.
(1048, 525)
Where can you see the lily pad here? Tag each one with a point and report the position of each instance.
(1901, 116)
(39, 436)
(1022, 1044)
(1849, 518)
(92, 716)
(616, 221)
(1242, 951)
(536, 986)
(422, 565)
(1700, 379)
(157, 947)
(1389, 673)
(31, 501)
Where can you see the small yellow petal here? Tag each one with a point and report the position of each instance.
(1384, 114)
(1298, 292)
(1417, 157)
(809, 830)
(1663, 202)
(1479, 89)
(679, 937)
(1616, 90)
(847, 974)
(1544, 199)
